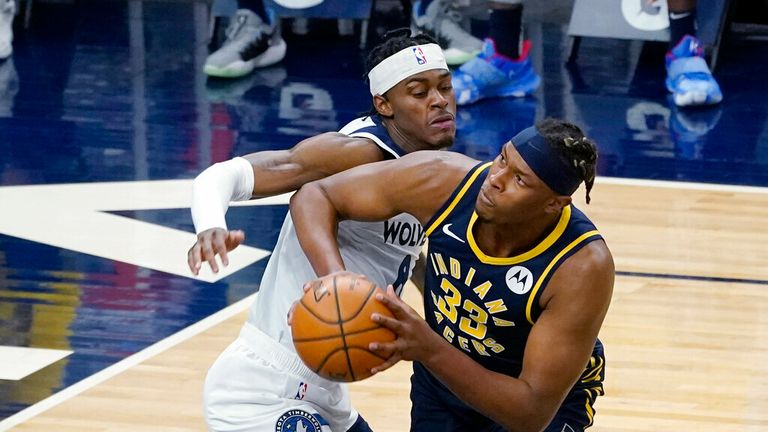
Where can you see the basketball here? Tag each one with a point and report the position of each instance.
(332, 327)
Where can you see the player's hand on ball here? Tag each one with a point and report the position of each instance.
(415, 340)
(212, 242)
(331, 326)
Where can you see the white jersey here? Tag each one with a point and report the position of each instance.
(385, 252)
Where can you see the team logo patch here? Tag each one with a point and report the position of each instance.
(297, 421)
(420, 57)
(519, 280)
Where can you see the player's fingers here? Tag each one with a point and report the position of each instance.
(386, 365)
(383, 349)
(234, 239)
(210, 256)
(193, 259)
(307, 286)
(387, 322)
(393, 303)
(220, 247)
(290, 313)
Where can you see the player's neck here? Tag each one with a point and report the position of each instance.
(401, 139)
(508, 240)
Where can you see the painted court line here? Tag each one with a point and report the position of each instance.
(128, 362)
(18, 362)
(665, 184)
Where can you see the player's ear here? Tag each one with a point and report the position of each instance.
(382, 105)
(557, 203)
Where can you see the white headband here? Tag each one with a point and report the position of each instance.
(403, 64)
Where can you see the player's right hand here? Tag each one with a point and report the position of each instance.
(212, 242)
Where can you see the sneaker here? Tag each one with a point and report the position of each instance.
(250, 43)
(491, 74)
(441, 21)
(7, 12)
(688, 76)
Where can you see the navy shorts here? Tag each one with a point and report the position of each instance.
(435, 408)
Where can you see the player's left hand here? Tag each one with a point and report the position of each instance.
(415, 340)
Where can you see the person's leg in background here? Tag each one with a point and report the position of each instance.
(7, 12)
(503, 68)
(253, 41)
(688, 76)
(442, 19)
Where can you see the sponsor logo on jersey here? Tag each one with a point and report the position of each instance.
(449, 233)
(297, 421)
(403, 233)
(519, 280)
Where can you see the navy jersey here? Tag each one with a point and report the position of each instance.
(486, 306)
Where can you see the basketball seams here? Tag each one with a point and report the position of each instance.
(339, 349)
(356, 332)
(329, 355)
(367, 351)
(319, 318)
(341, 326)
(371, 290)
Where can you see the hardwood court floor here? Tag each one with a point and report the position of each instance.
(685, 353)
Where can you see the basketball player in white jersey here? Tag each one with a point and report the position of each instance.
(259, 383)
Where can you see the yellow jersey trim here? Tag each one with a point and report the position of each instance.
(456, 199)
(552, 263)
(562, 224)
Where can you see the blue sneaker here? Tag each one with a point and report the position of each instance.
(491, 74)
(688, 76)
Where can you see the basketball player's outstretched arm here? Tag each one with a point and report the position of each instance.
(264, 174)
(418, 183)
(557, 352)
(560, 344)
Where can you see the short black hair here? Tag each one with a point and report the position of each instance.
(574, 147)
(393, 42)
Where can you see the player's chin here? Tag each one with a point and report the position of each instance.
(483, 211)
(443, 139)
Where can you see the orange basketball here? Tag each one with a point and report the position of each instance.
(332, 327)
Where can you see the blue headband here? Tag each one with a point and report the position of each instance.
(545, 162)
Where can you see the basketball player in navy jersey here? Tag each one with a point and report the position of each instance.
(518, 279)
(259, 383)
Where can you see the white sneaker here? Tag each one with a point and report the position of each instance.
(441, 20)
(251, 43)
(7, 12)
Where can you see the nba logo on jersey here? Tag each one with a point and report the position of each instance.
(420, 57)
(297, 421)
(302, 391)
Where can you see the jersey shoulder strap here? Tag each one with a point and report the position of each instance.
(371, 127)
(475, 175)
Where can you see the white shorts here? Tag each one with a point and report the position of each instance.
(257, 384)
